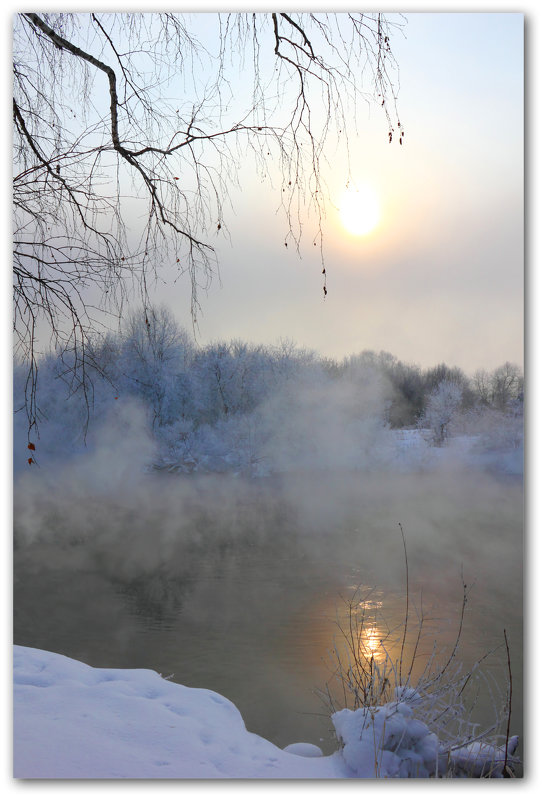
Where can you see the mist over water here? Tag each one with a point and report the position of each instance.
(234, 583)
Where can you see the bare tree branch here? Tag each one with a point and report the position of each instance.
(117, 112)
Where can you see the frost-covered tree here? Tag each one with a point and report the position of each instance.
(232, 378)
(64, 413)
(433, 377)
(441, 406)
(153, 364)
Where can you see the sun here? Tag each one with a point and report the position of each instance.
(359, 210)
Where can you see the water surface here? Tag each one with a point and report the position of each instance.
(241, 588)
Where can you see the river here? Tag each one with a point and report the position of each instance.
(242, 587)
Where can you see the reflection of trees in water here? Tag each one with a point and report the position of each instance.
(156, 600)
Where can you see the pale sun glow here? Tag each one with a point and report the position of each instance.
(359, 210)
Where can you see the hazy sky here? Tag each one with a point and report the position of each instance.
(441, 276)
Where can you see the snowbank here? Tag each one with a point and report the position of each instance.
(74, 721)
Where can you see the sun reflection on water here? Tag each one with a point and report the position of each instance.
(371, 633)
(371, 642)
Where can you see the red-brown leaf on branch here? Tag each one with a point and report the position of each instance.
(31, 446)
(30, 460)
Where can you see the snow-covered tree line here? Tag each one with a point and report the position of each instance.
(254, 408)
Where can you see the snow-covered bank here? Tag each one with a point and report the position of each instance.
(74, 721)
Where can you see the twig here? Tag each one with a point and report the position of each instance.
(406, 604)
(505, 772)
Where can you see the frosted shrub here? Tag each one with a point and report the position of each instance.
(386, 742)
(391, 741)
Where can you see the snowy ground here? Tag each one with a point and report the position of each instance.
(74, 721)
